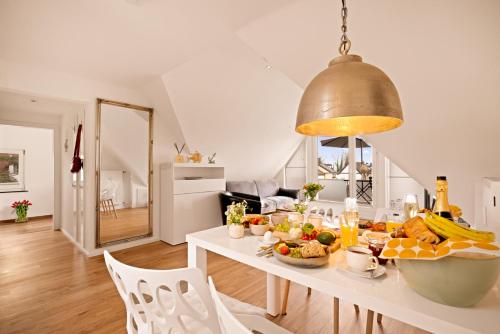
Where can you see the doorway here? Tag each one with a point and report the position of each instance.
(27, 172)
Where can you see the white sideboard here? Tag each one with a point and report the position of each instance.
(189, 205)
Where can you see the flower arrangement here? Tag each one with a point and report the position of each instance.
(300, 207)
(21, 209)
(311, 190)
(235, 212)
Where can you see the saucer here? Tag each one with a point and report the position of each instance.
(364, 273)
(268, 242)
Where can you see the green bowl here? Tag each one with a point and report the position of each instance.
(460, 281)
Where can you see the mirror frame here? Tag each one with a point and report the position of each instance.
(100, 102)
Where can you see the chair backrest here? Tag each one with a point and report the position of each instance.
(164, 301)
(227, 321)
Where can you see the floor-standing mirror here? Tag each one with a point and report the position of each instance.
(123, 172)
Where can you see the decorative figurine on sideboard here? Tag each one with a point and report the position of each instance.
(196, 157)
(179, 158)
(211, 159)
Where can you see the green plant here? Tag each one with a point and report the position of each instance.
(235, 212)
(312, 189)
(340, 164)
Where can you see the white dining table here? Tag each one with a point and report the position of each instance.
(388, 295)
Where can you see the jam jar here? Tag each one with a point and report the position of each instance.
(376, 245)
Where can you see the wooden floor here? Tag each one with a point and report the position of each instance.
(128, 223)
(48, 286)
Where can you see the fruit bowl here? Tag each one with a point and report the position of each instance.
(460, 280)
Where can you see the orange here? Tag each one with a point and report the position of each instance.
(390, 252)
(425, 253)
(407, 254)
(484, 245)
(443, 251)
(460, 245)
(393, 243)
(409, 242)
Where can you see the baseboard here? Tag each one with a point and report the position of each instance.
(29, 218)
(73, 241)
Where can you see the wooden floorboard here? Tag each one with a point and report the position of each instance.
(48, 286)
(128, 223)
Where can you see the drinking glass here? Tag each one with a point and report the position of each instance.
(410, 206)
(348, 233)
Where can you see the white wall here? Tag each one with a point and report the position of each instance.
(295, 169)
(39, 169)
(228, 102)
(125, 134)
(400, 184)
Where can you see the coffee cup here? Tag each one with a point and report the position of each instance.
(361, 258)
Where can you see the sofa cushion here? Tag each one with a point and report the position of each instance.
(245, 187)
(282, 202)
(267, 188)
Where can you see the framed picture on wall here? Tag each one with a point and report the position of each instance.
(12, 170)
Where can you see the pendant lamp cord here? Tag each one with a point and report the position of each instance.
(345, 43)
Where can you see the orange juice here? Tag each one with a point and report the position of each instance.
(348, 235)
(391, 226)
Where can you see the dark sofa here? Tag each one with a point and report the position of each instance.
(262, 196)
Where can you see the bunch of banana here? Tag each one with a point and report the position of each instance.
(448, 229)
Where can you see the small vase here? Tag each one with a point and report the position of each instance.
(236, 231)
(21, 219)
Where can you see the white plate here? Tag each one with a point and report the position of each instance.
(268, 242)
(365, 274)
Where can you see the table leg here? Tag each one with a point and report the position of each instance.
(273, 295)
(197, 258)
(336, 314)
(369, 322)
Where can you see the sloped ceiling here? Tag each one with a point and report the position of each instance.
(211, 55)
(126, 42)
(228, 101)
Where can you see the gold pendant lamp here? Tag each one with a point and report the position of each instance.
(349, 97)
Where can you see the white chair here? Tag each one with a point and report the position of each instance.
(243, 323)
(108, 193)
(169, 301)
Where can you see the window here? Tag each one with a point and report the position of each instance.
(330, 167)
(333, 168)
